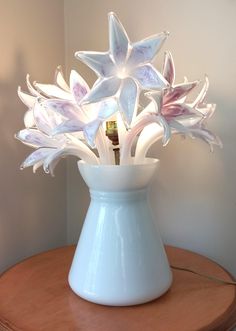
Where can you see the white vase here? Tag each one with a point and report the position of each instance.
(120, 259)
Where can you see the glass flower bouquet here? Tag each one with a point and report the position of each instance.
(100, 125)
(120, 259)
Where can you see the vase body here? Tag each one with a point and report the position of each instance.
(120, 259)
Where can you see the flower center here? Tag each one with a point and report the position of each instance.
(122, 73)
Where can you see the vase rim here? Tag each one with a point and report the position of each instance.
(147, 161)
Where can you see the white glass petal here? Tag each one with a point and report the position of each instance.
(35, 138)
(106, 109)
(167, 129)
(100, 62)
(145, 50)
(79, 88)
(60, 80)
(169, 68)
(69, 126)
(29, 120)
(36, 157)
(128, 99)
(44, 119)
(26, 98)
(118, 39)
(148, 77)
(53, 91)
(201, 95)
(103, 89)
(157, 98)
(31, 89)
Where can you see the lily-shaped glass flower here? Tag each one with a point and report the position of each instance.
(125, 69)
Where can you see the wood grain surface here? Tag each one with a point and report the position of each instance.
(35, 295)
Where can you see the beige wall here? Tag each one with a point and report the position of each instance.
(194, 194)
(32, 207)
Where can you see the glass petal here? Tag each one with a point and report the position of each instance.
(69, 126)
(148, 77)
(107, 108)
(26, 98)
(29, 120)
(63, 107)
(103, 89)
(90, 132)
(53, 91)
(79, 88)
(36, 157)
(179, 91)
(201, 96)
(169, 68)
(31, 89)
(99, 62)
(44, 118)
(118, 39)
(145, 50)
(128, 99)
(60, 80)
(167, 129)
(35, 138)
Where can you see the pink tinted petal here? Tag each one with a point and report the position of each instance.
(128, 99)
(169, 68)
(99, 62)
(35, 138)
(175, 110)
(145, 50)
(36, 157)
(107, 108)
(53, 91)
(26, 98)
(29, 120)
(63, 107)
(69, 126)
(103, 89)
(90, 132)
(79, 88)
(148, 77)
(179, 92)
(118, 39)
(60, 80)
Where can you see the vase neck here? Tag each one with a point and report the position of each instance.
(118, 196)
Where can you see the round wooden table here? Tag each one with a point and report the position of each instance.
(34, 295)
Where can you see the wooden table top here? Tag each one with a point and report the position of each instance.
(35, 295)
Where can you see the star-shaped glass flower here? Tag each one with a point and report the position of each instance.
(124, 70)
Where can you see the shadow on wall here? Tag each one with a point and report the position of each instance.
(24, 197)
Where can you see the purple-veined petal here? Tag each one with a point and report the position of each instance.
(45, 118)
(79, 88)
(169, 68)
(35, 138)
(65, 108)
(26, 98)
(106, 88)
(31, 89)
(106, 109)
(60, 80)
(148, 77)
(99, 62)
(37, 156)
(29, 120)
(145, 50)
(90, 131)
(118, 39)
(69, 126)
(52, 91)
(207, 136)
(179, 91)
(128, 99)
